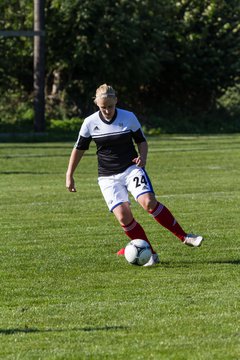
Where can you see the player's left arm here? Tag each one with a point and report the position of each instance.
(140, 141)
(141, 160)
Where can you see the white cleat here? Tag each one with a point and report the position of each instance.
(154, 260)
(193, 240)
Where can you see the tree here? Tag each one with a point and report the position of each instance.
(206, 47)
(176, 54)
(182, 52)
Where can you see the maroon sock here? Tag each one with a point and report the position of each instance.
(164, 217)
(135, 231)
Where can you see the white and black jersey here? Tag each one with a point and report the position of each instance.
(114, 140)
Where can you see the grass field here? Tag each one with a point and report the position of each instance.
(64, 292)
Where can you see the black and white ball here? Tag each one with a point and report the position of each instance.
(137, 252)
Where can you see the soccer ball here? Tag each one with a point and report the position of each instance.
(137, 252)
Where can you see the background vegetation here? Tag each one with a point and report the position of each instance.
(175, 63)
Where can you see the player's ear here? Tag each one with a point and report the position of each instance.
(116, 100)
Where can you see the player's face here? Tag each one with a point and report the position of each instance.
(107, 107)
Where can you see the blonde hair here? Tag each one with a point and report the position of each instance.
(104, 91)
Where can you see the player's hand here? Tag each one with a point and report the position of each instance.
(139, 161)
(70, 183)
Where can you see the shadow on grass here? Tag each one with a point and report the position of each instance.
(231, 262)
(184, 263)
(28, 156)
(84, 329)
(27, 173)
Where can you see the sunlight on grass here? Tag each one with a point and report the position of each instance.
(64, 292)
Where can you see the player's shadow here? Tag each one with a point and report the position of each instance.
(83, 329)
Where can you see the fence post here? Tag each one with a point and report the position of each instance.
(39, 66)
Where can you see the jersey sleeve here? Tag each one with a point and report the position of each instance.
(138, 136)
(84, 138)
(137, 132)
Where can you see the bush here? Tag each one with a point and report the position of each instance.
(230, 101)
(16, 111)
(65, 126)
(219, 121)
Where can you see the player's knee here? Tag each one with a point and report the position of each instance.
(123, 214)
(147, 205)
(148, 202)
(125, 219)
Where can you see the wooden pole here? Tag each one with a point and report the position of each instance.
(39, 66)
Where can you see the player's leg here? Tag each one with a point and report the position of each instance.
(130, 226)
(140, 186)
(164, 217)
(116, 196)
(161, 214)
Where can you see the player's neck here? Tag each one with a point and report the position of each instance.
(108, 120)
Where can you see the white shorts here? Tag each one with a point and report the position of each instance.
(115, 188)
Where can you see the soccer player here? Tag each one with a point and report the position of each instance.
(121, 168)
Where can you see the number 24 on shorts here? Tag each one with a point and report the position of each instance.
(140, 180)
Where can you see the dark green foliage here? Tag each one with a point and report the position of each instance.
(16, 111)
(170, 60)
(67, 126)
(16, 53)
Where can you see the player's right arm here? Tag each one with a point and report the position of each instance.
(74, 160)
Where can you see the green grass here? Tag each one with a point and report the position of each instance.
(64, 292)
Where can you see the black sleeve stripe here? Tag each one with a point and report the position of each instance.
(138, 136)
(83, 143)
